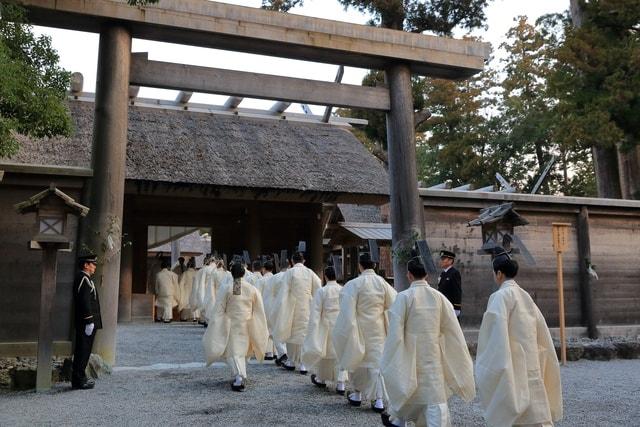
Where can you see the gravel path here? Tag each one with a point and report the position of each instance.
(142, 392)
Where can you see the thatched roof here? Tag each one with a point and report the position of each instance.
(177, 146)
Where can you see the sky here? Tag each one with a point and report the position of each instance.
(79, 51)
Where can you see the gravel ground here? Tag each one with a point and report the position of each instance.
(149, 388)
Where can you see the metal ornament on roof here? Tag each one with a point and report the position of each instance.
(498, 224)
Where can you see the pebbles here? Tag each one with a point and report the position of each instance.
(595, 393)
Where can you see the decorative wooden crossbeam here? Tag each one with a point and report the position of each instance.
(167, 75)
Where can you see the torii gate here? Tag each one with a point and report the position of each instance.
(224, 26)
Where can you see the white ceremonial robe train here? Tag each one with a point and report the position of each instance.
(517, 370)
(426, 358)
(361, 329)
(237, 328)
(318, 354)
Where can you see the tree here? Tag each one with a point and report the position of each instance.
(416, 16)
(597, 83)
(32, 85)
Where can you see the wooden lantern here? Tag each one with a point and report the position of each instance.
(51, 207)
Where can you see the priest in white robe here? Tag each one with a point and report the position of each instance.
(167, 293)
(318, 353)
(517, 370)
(263, 286)
(197, 299)
(214, 274)
(425, 358)
(238, 327)
(256, 272)
(271, 286)
(293, 305)
(360, 332)
(186, 285)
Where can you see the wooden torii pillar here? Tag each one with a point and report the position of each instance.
(224, 26)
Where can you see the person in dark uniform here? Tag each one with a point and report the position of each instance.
(450, 283)
(87, 320)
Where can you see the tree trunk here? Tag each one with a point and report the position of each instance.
(629, 171)
(605, 161)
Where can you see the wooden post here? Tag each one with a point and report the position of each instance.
(47, 300)
(108, 159)
(403, 182)
(584, 258)
(560, 239)
(126, 276)
(254, 240)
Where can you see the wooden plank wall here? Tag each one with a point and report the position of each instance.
(20, 271)
(615, 248)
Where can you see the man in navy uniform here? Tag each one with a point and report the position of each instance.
(450, 283)
(87, 320)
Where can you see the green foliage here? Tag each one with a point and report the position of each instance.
(416, 16)
(32, 85)
(597, 76)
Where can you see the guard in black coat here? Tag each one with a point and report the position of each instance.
(87, 320)
(450, 283)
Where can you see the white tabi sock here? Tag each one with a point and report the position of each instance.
(289, 363)
(238, 380)
(340, 386)
(397, 422)
(355, 396)
(268, 354)
(302, 367)
(378, 404)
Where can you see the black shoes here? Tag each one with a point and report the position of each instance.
(85, 384)
(386, 421)
(269, 358)
(280, 360)
(289, 368)
(240, 387)
(378, 410)
(354, 402)
(304, 372)
(316, 383)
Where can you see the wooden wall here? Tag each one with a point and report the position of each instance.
(20, 270)
(615, 250)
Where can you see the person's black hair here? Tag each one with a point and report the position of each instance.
(297, 257)
(504, 263)
(268, 266)
(416, 268)
(330, 273)
(191, 263)
(164, 263)
(237, 270)
(181, 259)
(257, 265)
(365, 261)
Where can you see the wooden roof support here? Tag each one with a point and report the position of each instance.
(233, 102)
(167, 75)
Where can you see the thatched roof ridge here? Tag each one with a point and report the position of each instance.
(187, 147)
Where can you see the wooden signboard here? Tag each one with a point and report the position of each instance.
(560, 244)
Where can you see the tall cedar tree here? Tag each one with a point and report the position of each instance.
(597, 83)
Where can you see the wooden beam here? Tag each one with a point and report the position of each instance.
(183, 97)
(233, 102)
(167, 75)
(246, 29)
(584, 258)
(279, 107)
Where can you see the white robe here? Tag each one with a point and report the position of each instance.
(293, 303)
(217, 277)
(167, 293)
(361, 329)
(318, 353)
(186, 285)
(426, 358)
(517, 370)
(237, 329)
